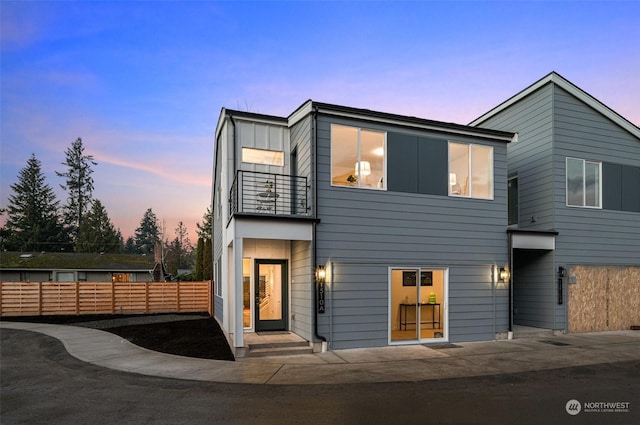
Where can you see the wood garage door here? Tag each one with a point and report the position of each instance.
(603, 298)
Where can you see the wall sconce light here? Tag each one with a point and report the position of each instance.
(561, 271)
(321, 274)
(504, 274)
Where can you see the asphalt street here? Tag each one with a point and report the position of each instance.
(42, 384)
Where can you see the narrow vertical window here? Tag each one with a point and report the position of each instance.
(513, 200)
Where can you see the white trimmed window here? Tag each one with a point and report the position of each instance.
(358, 157)
(470, 170)
(584, 183)
(263, 156)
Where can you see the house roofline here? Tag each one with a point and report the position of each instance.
(254, 116)
(560, 81)
(398, 120)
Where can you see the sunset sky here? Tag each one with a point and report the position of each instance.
(143, 82)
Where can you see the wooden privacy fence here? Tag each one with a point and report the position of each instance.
(49, 298)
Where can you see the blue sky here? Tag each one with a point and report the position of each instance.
(143, 82)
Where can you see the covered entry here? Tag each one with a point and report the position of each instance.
(536, 296)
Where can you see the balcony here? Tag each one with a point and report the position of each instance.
(269, 194)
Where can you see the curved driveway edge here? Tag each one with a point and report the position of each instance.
(386, 364)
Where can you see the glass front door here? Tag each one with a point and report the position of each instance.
(417, 304)
(270, 286)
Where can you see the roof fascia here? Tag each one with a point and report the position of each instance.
(414, 122)
(569, 87)
(248, 116)
(302, 111)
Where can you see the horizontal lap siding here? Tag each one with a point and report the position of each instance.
(301, 284)
(531, 156)
(301, 267)
(364, 232)
(592, 236)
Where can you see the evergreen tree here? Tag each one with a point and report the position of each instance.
(204, 229)
(79, 185)
(207, 270)
(33, 222)
(148, 234)
(199, 259)
(179, 251)
(97, 233)
(130, 246)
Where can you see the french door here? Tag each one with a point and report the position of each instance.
(417, 305)
(270, 291)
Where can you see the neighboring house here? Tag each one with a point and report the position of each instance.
(75, 267)
(574, 208)
(347, 226)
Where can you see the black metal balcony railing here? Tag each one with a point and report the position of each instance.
(268, 193)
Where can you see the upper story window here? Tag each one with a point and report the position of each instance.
(470, 170)
(263, 156)
(512, 196)
(584, 184)
(358, 157)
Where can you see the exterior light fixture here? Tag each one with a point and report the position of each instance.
(321, 274)
(562, 271)
(504, 274)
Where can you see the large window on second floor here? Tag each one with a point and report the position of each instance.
(470, 170)
(584, 185)
(358, 157)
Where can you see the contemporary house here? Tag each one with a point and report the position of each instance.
(574, 208)
(76, 267)
(356, 228)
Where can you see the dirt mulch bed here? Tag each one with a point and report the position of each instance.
(191, 335)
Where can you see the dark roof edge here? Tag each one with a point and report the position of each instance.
(256, 115)
(413, 120)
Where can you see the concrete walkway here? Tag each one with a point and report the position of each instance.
(387, 364)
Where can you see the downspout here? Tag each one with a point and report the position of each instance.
(511, 272)
(314, 192)
(235, 165)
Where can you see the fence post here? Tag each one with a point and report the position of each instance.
(146, 297)
(77, 298)
(178, 297)
(210, 298)
(113, 297)
(39, 298)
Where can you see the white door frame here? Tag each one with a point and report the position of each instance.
(444, 306)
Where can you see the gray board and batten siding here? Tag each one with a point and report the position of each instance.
(363, 232)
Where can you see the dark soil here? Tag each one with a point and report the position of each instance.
(191, 335)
